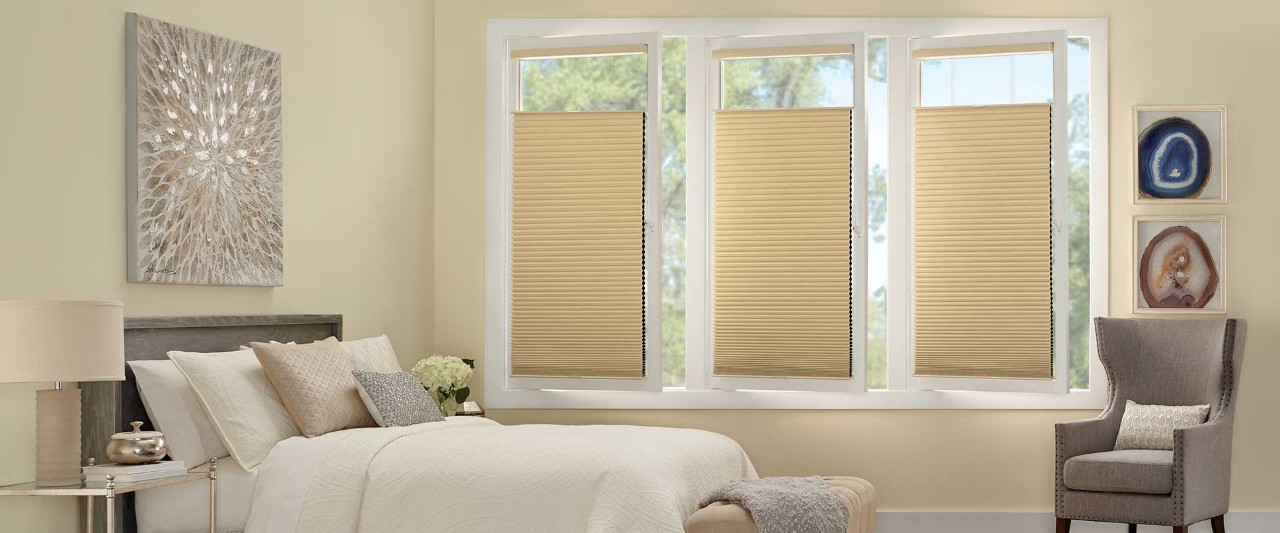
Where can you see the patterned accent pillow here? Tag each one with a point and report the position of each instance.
(396, 399)
(315, 385)
(1150, 427)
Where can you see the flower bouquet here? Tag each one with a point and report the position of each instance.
(446, 378)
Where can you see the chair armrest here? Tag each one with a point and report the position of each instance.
(1085, 436)
(1202, 468)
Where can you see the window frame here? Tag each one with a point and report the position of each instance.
(1058, 184)
(652, 380)
(703, 209)
(498, 392)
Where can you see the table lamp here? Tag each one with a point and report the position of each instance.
(60, 341)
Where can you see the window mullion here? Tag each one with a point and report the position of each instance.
(897, 331)
(697, 213)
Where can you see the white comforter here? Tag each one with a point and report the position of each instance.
(473, 474)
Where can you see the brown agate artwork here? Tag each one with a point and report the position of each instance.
(205, 182)
(1177, 270)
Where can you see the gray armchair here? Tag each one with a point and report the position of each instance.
(1160, 362)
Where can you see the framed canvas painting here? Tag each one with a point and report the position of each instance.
(204, 183)
(1179, 264)
(1180, 154)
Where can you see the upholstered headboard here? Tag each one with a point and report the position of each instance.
(108, 407)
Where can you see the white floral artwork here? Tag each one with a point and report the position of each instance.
(205, 179)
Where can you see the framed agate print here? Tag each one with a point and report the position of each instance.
(1179, 265)
(1180, 154)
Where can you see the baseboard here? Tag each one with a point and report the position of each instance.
(907, 522)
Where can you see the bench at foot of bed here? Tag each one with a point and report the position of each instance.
(724, 517)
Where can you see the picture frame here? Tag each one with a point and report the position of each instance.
(1157, 238)
(1163, 136)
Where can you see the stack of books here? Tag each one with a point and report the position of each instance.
(134, 473)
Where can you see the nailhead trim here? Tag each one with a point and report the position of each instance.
(1224, 405)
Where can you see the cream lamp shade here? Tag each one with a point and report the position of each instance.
(61, 341)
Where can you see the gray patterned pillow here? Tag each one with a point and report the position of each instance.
(396, 399)
(1150, 427)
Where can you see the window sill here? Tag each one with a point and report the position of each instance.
(796, 400)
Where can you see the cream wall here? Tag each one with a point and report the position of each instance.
(358, 150)
(1162, 51)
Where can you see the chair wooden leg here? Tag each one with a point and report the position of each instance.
(1064, 525)
(1219, 524)
(1179, 529)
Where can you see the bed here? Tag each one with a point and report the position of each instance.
(464, 474)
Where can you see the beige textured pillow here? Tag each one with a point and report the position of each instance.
(244, 408)
(1150, 427)
(315, 384)
(373, 354)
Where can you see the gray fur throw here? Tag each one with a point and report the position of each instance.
(787, 504)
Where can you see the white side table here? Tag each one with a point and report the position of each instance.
(111, 489)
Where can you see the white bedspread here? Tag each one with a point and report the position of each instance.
(473, 474)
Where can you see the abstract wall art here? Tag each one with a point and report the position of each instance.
(204, 180)
(1179, 154)
(1179, 264)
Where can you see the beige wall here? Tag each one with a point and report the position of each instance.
(1162, 51)
(358, 152)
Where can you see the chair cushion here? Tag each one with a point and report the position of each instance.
(1134, 471)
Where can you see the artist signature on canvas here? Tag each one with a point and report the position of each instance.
(162, 271)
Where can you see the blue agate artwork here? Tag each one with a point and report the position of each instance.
(1173, 159)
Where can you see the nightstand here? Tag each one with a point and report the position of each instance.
(111, 489)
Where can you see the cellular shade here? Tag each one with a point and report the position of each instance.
(989, 50)
(577, 238)
(61, 341)
(581, 51)
(784, 51)
(982, 242)
(782, 304)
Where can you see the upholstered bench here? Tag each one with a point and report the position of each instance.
(724, 517)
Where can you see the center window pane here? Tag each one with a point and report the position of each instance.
(787, 82)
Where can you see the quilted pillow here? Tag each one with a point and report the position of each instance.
(1150, 427)
(315, 385)
(396, 398)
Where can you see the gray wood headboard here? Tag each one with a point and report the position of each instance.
(109, 406)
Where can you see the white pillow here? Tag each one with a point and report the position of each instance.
(1150, 427)
(245, 411)
(172, 405)
(373, 354)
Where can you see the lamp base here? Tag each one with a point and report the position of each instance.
(58, 437)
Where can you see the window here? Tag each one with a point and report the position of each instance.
(580, 211)
(790, 235)
(786, 183)
(988, 184)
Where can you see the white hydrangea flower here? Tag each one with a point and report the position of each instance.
(442, 372)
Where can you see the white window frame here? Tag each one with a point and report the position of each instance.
(499, 393)
(1058, 183)
(652, 380)
(704, 337)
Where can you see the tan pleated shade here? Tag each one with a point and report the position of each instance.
(579, 51)
(782, 243)
(983, 249)
(783, 51)
(978, 51)
(577, 237)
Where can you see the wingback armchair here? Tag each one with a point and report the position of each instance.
(1155, 362)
